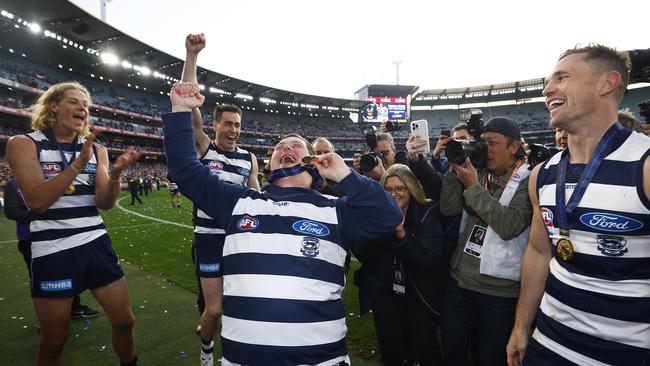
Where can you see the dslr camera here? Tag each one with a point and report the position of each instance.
(539, 153)
(476, 149)
(370, 159)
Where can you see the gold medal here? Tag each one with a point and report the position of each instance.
(565, 249)
(71, 188)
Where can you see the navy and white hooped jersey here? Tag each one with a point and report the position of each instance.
(283, 280)
(231, 166)
(73, 219)
(596, 307)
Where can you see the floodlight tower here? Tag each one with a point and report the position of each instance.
(102, 6)
(397, 63)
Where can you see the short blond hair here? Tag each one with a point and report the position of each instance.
(43, 118)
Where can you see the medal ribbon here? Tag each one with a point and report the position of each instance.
(602, 150)
(65, 162)
(317, 180)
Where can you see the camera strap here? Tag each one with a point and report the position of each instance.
(317, 180)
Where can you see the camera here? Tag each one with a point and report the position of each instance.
(370, 160)
(476, 149)
(644, 110)
(392, 126)
(539, 153)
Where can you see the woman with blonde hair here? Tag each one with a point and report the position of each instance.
(64, 177)
(401, 277)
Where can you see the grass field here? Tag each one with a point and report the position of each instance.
(153, 241)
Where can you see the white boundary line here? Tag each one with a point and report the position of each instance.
(117, 203)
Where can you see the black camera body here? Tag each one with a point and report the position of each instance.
(644, 110)
(370, 159)
(476, 150)
(540, 153)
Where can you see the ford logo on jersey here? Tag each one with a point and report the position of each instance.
(248, 223)
(311, 228)
(610, 222)
(243, 171)
(90, 168)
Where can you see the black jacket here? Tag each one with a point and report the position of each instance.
(420, 253)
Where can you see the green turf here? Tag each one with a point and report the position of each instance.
(156, 258)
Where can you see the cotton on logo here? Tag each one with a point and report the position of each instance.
(547, 216)
(247, 223)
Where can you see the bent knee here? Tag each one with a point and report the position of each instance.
(125, 324)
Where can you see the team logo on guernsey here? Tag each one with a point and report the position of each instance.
(248, 223)
(547, 216)
(311, 228)
(310, 246)
(611, 245)
(610, 222)
(60, 285)
(244, 171)
(51, 168)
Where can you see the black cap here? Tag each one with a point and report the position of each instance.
(504, 126)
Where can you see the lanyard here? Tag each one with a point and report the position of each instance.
(317, 180)
(65, 162)
(603, 148)
(514, 171)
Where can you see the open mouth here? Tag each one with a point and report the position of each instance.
(288, 159)
(555, 103)
(79, 117)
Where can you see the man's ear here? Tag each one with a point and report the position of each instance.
(609, 82)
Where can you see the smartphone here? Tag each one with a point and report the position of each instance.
(420, 128)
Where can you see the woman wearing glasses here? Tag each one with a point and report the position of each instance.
(401, 278)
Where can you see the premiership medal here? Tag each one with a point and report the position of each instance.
(565, 249)
(71, 189)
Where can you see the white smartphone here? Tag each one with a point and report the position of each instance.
(420, 128)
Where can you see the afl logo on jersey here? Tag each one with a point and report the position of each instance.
(547, 216)
(51, 168)
(247, 223)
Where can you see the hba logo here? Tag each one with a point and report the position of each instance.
(311, 228)
(248, 223)
(610, 222)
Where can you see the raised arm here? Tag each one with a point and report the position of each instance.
(194, 180)
(534, 270)
(253, 182)
(108, 183)
(194, 43)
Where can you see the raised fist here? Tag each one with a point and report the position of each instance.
(194, 43)
(185, 96)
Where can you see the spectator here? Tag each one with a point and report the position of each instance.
(400, 277)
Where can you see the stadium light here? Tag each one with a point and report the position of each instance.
(201, 86)
(145, 71)
(109, 58)
(127, 64)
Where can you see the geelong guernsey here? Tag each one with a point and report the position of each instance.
(283, 257)
(596, 307)
(231, 166)
(73, 219)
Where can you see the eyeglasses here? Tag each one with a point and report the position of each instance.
(398, 190)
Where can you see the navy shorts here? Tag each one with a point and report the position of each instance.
(70, 272)
(208, 254)
(538, 355)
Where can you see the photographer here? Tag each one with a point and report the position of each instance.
(374, 164)
(483, 287)
(460, 132)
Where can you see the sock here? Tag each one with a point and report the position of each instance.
(133, 362)
(207, 347)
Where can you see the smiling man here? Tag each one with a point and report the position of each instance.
(482, 292)
(285, 247)
(586, 274)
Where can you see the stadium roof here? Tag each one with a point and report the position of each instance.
(76, 25)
